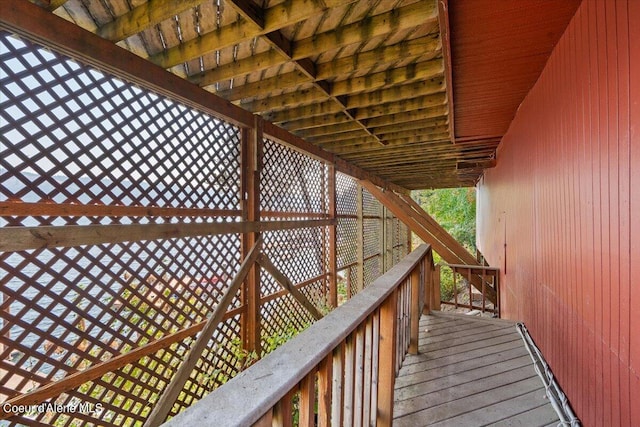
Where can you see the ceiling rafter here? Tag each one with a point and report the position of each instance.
(326, 130)
(393, 76)
(408, 116)
(358, 144)
(144, 16)
(366, 145)
(275, 18)
(345, 139)
(324, 70)
(384, 96)
(342, 74)
(284, 46)
(401, 107)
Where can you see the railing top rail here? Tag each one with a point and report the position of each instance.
(244, 399)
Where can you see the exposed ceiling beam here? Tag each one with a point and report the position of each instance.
(393, 76)
(282, 15)
(348, 138)
(283, 45)
(408, 116)
(257, 62)
(372, 58)
(368, 144)
(398, 93)
(286, 100)
(410, 16)
(144, 16)
(315, 109)
(401, 93)
(327, 130)
(312, 122)
(417, 124)
(402, 107)
(265, 86)
(411, 157)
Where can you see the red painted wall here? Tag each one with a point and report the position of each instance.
(560, 214)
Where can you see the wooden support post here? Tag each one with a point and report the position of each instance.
(333, 242)
(435, 289)
(360, 239)
(416, 310)
(250, 187)
(387, 359)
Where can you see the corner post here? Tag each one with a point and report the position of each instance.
(250, 185)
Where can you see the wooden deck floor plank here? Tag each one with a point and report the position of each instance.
(491, 414)
(461, 343)
(440, 323)
(470, 371)
(461, 330)
(446, 412)
(463, 377)
(541, 416)
(465, 390)
(423, 362)
(455, 368)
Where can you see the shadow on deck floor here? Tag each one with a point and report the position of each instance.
(470, 372)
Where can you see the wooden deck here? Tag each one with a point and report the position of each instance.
(470, 372)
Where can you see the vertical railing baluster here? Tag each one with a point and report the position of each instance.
(337, 389)
(307, 402)
(455, 286)
(387, 362)
(471, 306)
(416, 310)
(368, 360)
(325, 380)
(358, 389)
(375, 365)
(349, 372)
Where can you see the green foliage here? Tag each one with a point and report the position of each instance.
(454, 209)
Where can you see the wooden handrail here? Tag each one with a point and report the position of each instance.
(339, 341)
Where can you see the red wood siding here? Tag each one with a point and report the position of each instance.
(561, 212)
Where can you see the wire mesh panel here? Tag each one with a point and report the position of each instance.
(73, 136)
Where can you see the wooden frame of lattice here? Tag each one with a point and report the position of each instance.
(128, 200)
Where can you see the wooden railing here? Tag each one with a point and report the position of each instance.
(464, 274)
(341, 370)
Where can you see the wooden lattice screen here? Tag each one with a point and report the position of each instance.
(125, 214)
